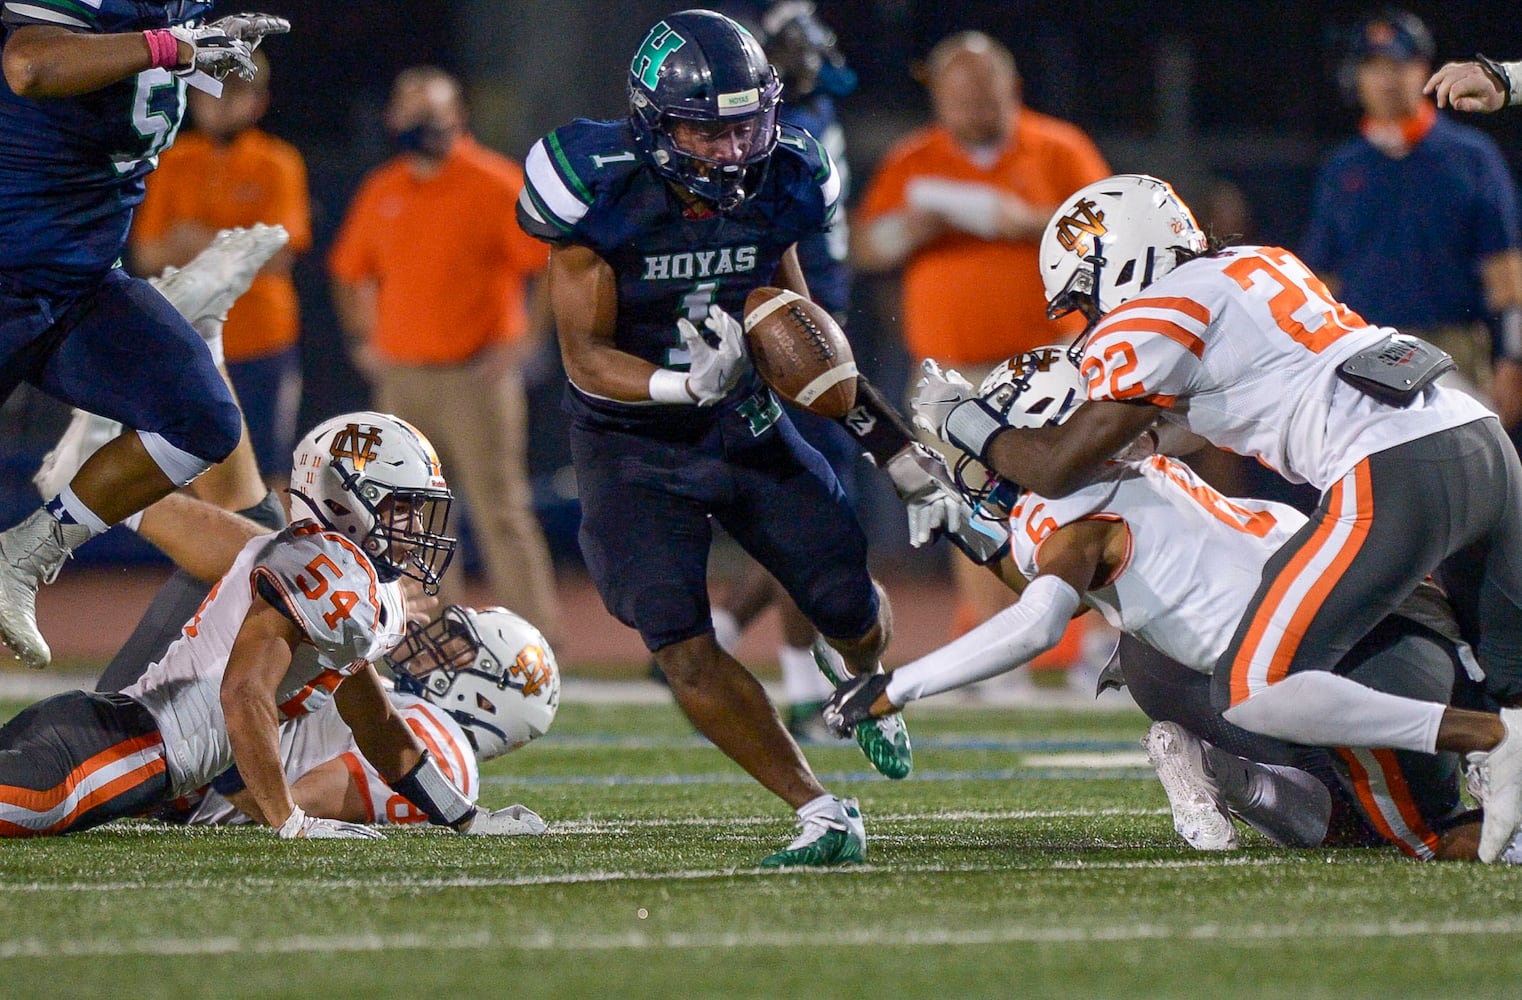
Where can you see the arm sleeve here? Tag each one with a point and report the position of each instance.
(1012, 637)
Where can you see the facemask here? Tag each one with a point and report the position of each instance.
(424, 139)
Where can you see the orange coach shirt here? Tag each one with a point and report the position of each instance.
(965, 299)
(254, 178)
(446, 253)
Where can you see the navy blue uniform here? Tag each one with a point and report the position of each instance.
(71, 173)
(650, 475)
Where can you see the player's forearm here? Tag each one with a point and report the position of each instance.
(45, 62)
(253, 729)
(608, 372)
(1012, 637)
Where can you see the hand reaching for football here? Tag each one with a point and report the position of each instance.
(939, 393)
(857, 700)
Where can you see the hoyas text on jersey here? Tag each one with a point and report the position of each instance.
(699, 264)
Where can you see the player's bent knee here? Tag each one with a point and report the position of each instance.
(847, 608)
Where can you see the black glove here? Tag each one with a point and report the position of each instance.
(852, 703)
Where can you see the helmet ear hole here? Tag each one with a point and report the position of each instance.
(1126, 273)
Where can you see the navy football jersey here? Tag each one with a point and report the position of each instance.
(588, 184)
(72, 169)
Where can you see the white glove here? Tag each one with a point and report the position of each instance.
(251, 28)
(714, 370)
(300, 826)
(215, 52)
(514, 821)
(922, 482)
(938, 395)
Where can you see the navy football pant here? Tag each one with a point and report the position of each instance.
(122, 351)
(645, 531)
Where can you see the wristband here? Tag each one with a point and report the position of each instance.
(163, 49)
(426, 787)
(667, 386)
(1503, 75)
(972, 425)
(291, 828)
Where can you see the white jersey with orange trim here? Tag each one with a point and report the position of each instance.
(1242, 348)
(315, 739)
(326, 585)
(1194, 561)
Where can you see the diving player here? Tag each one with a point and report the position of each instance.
(661, 223)
(1245, 347)
(93, 93)
(1168, 560)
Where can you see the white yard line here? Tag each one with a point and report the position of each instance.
(460, 940)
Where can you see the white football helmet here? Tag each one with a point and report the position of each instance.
(1039, 388)
(375, 478)
(1112, 239)
(489, 669)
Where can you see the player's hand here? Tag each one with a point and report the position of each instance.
(215, 52)
(1466, 86)
(514, 821)
(852, 703)
(251, 28)
(938, 394)
(716, 367)
(934, 503)
(300, 826)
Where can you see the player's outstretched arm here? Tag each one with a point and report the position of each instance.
(1072, 558)
(1053, 461)
(41, 61)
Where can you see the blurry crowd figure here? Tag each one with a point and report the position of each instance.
(432, 280)
(959, 206)
(224, 174)
(1415, 222)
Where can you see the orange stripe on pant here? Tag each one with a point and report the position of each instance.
(1287, 643)
(1425, 842)
(41, 800)
(105, 793)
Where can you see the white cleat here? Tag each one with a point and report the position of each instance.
(1199, 814)
(206, 288)
(1499, 774)
(85, 435)
(31, 554)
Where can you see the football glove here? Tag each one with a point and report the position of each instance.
(852, 703)
(300, 826)
(251, 28)
(716, 368)
(939, 393)
(514, 821)
(215, 52)
(934, 504)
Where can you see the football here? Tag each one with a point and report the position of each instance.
(800, 351)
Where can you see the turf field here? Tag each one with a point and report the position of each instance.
(1031, 855)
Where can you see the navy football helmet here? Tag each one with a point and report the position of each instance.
(703, 103)
(804, 51)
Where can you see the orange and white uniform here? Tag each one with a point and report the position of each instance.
(318, 737)
(1194, 559)
(329, 587)
(1242, 348)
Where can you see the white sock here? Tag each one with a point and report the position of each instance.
(78, 512)
(802, 681)
(825, 804)
(726, 631)
(1318, 708)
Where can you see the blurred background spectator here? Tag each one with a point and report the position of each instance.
(1415, 222)
(432, 281)
(960, 207)
(227, 172)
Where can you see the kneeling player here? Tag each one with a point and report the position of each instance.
(1170, 561)
(295, 623)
